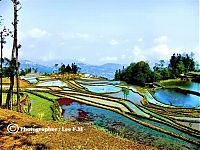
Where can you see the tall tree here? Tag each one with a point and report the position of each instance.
(55, 68)
(3, 34)
(1, 73)
(17, 47)
(125, 91)
(136, 73)
(62, 68)
(68, 68)
(74, 68)
(14, 60)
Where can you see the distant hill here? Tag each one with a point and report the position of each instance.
(105, 70)
(40, 68)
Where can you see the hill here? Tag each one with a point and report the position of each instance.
(89, 138)
(105, 70)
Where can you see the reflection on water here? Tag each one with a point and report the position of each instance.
(53, 83)
(102, 89)
(134, 97)
(192, 86)
(30, 79)
(99, 82)
(174, 98)
(117, 123)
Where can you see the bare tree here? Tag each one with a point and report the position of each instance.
(1, 60)
(3, 34)
(14, 60)
(1, 73)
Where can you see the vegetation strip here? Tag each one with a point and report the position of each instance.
(101, 97)
(171, 106)
(177, 126)
(122, 108)
(169, 122)
(92, 103)
(143, 123)
(39, 95)
(184, 128)
(151, 126)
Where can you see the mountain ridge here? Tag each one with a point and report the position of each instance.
(106, 70)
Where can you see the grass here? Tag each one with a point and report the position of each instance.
(47, 95)
(40, 107)
(4, 95)
(90, 138)
(173, 82)
(23, 83)
(140, 89)
(196, 73)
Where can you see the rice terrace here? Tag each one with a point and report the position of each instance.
(52, 98)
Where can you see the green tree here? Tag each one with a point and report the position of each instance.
(56, 67)
(180, 67)
(68, 69)
(74, 68)
(165, 73)
(172, 65)
(11, 73)
(35, 70)
(117, 75)
(141, 73)
(62, 68)
(181, 64)
(137, 73)
(125, 91)
(162, 63)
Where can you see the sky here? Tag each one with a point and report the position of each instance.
(104, 31)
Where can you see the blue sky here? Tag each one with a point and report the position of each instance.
(105, 31)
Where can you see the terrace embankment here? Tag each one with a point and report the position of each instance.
(89, 138)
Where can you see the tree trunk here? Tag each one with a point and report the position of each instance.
(1, 73)
(16, 51)
(9, 99)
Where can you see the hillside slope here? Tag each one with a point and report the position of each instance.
(89, 138)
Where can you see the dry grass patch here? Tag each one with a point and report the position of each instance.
(23, 83)
(89, 138)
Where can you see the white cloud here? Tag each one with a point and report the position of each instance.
(38, 33)
(157, 52)
(114, 42)
(108, 58)
(83, 59)
(31, 46)
(140, 39)
(163, 51)
(49, 56)
(101, 36)
(82, 35)
(7, 50)
(161, 39)
(197, 54)
(123, 56)
(137, 54)
(160, 49)
(74, 35)
(136, 48)
(21, 35)
(61, 43)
